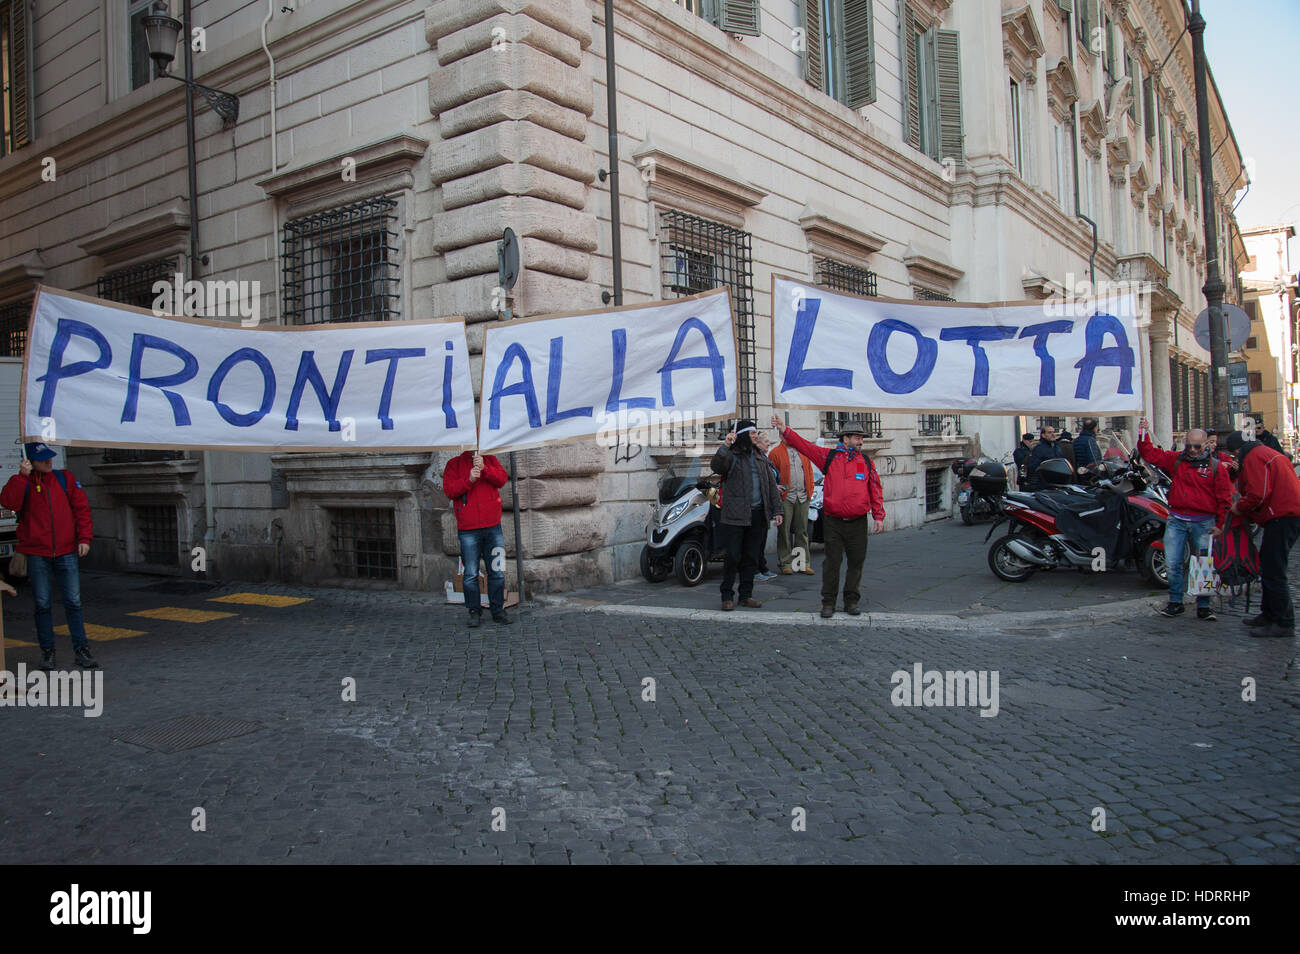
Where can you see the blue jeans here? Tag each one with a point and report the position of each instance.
(1183, 539)
(489, 545)
(64, 570)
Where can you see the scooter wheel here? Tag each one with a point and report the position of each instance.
(689, 563)
(1006, 565)
(653, 570)
(1154, 567)
(966, 516)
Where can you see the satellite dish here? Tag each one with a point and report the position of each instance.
(1238, 327)
(508, 259)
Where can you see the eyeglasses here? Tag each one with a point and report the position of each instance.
(1193, 446)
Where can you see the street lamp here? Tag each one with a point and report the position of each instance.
(161, 33)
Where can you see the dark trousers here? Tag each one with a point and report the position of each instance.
(1280, 535)
(743, 545)
(843, 537)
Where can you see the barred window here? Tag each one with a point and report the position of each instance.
(938, 425)
(838, 276)
(156, 538)
(924, 294)
(134, 285)
(364, 542)
(934, 490)
(13, 328)
(342, 264)
(834, 422)
(699, 255)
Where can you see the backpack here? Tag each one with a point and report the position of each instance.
(1235, 558)
(62, 475)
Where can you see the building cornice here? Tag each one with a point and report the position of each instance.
(832, 239)
(20, 275)
(1022, 43)
(681, 178)
(149, 234)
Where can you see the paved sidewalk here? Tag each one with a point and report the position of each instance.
(941, 568)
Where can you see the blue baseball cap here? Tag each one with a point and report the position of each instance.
(40, 451)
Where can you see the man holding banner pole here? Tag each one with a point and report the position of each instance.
(472, 482)
(851, 491)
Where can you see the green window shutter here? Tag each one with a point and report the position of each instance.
(1110, 46)
(814, 57)
(911, 76)
(1065, 6)
(1129, 71)
(859, 54)
(738, 16)
(947, 84)
(1149, 107)
(19, 78)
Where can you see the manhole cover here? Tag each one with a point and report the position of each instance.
(177, 587)
(187, 732)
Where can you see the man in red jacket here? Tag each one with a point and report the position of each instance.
(1198, 504)
(54, 530)
(851, 491)
(1270, 497)
(472, 483)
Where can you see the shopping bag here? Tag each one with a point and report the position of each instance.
(1202, 577)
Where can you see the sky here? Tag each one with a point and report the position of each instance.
(1252, 47)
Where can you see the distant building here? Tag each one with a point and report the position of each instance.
(1273, 348)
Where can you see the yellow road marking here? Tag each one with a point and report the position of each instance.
(261, 599)
(15, 643)
(179, 615)
(100, 633)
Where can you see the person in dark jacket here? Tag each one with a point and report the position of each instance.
(473, 482)
(1266, 437)
(1086, 449)
(54, 531)
(1199, 496)
(750, 501)
(1048, 448)
(1270, 497)
(1021, 457)
(1066, 443)
(851, 493)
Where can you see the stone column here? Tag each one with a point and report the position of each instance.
(1162, 407)
(513, 103)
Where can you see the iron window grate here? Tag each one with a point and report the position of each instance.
(838, 276)
(834, 422)
(364, 542)
(156, 535)
(13, 328)
(934, 490)
(134, 285)
(1117, 423)
(1049, 421)
(699, 255)
(924, 294)
(341, 264)
(938, 425)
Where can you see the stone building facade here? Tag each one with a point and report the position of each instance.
(902, 148)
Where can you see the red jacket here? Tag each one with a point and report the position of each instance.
(851, 488)
(1196, 489)
(1268, 485)
(477, 504)
(781, 457)
(51, 523)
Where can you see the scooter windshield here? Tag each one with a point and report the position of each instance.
(681, 474)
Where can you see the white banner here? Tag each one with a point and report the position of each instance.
(555, 379)
(838, 351)
(110, 375)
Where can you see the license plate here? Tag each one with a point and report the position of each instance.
(6, 549)
(963, 497)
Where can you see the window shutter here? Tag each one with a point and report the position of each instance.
(1132, 87)
(912, 74)
(814, 58)
(859, 54)
(1110, 46)
(1160, 134)
(1149, 107)
(20, 68)
(1065, 6)
(738, 16)
(947, 68)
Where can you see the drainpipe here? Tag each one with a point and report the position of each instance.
(1078, 210)
(611, 92)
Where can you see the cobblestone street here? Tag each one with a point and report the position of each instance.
(542, 726)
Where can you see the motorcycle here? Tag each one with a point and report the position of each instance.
(983, 482)
(1120, 514)
(681, 535)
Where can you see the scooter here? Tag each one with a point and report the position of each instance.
(1066, 524)
(681, 535)
(983, 482)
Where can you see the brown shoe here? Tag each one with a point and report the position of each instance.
(728, 606)
(810, 571)
(750, 601)
(828, 612)
(786, 571)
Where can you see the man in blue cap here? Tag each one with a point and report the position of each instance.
(54, 530)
